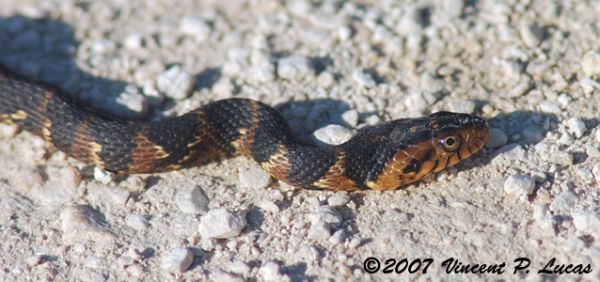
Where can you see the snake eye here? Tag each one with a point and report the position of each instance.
(450, 143)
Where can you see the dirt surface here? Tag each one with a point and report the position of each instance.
(532, 68)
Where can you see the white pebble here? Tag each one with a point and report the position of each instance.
(350, 117)
(531, 33)
(598, 135)
(461, 106)
(294, 68)
(176, 83)
(270, 272)
(549, 107)
(221, 223)
(326, 79)
(363, 79)
(102, 176)
(137, 222)
(333, 134)
(416, 103)
(496, 139)
(195, 27)
(590, 64)
(338, 199)
(576, 127)
(563, 202)
(373, 120)
(326, 214)
(254, 178)
(133, 41)
(562, 158)
(268, 206)
(192, 201)
(519, 185)
(8, 130)
(587, 222)
(79, 220)
(596, 171)
(177, 260)
(564, 100)
(592, 151)
(132, 100)
(319, 231)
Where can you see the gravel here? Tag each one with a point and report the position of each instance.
(531, 69)
(221, 223)
(496, 139)
(519, 185)
(177, 260)
(576, 127)
(333, 134)
(175, 83)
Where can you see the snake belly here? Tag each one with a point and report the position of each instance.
(383, 157)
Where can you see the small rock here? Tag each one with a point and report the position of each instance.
(8, 130)
(176, 83)
(531, 33)
(221, 223)
(520, 89)
(596, 171)
(461, 106)
(221, 275)
(562, 158)
(519, 185)
(350, 117)
(178, 260)
(326, 214)
(564, 100)
(592, 151)
(195, 27)
(430, 83)
(333, 134)
(590, 64)
(270, 272)
(364, 78)
(338, 199)
(294, 68)
(319, 231)
(102, 176)
(533, 133)
(133, 100)
(325, 79)
(549, 107)
(496, 139)
(78, 222)
(192, 201)
(268, 206)
(137, 222)
(576, 127)
(254, 178)
(70, 177)
(563, 202)
(133, 41)
(372, 120)
(587, 222)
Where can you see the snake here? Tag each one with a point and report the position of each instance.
(382, 157)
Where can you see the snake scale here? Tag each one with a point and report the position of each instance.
(383, 157)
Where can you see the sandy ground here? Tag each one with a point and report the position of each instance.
(532, 68)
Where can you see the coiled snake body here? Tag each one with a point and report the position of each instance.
(382, 157)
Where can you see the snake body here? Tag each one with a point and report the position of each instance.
(381, 157)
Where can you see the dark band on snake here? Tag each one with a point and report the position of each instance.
(383, 157)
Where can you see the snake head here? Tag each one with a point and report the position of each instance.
(416, 148)
(455, 137)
